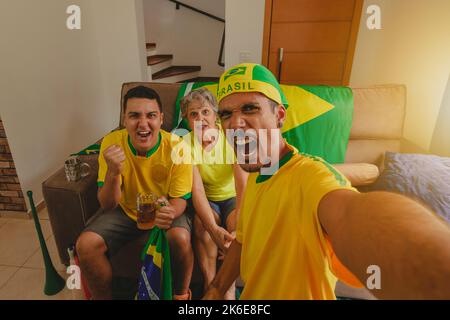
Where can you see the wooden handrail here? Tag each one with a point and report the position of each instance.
(178, 3)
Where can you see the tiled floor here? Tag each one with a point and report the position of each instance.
(22, 273)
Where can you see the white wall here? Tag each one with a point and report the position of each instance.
(413, 47)
(60, 89)
(192, 38)
(244, 31)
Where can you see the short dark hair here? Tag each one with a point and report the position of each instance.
(141, 92)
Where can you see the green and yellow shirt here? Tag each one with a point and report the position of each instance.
(155, 172)
(215, 167)
(285, 252)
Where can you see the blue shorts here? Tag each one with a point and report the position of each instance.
(223, 209)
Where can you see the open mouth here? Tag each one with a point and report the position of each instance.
(143, 135)
(246, 146)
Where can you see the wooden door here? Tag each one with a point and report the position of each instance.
(318, 38)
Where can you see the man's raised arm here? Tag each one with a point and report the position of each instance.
(109, 194)
(405, 240)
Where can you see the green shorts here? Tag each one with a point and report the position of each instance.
(117, 229)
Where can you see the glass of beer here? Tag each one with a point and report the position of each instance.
(146, 210)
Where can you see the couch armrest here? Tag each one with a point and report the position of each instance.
(70, 205)
(359, 174)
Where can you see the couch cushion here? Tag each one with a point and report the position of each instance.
(379, 112)
(369, 151)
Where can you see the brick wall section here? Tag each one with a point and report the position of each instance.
(11, 196)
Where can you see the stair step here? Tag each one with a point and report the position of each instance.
(158, 58)
(150, 45)
(202, 79)
(174, 71)
(160, 66)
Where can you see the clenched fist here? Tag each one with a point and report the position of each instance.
(165, 214)
(115, 158)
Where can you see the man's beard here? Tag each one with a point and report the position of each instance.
(253, 167)
(250, 168)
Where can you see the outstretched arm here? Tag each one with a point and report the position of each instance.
(228, 273)
(405, 240)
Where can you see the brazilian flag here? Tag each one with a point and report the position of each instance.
(318, 121)
(155, 280)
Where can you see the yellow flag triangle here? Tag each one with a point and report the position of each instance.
(303, 106)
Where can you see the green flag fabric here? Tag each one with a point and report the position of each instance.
(155, 280)
(318, 121)
(92, 149)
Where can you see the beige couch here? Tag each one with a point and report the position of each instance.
(377, 127)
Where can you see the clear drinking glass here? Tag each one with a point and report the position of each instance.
(76, 169)
(146, 210)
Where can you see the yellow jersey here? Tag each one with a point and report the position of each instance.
(155, 172)
(285, 252)
(215, 167)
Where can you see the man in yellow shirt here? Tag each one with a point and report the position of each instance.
(134, 160)
(297, 220)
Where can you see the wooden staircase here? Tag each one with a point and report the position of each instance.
(160, 68)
